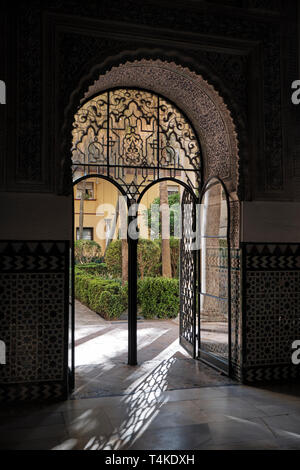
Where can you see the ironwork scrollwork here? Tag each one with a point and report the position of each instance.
(135, 137)
(187, 275)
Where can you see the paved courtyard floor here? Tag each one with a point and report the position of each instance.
(101, 358)
(168, 402)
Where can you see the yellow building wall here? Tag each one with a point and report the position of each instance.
(103, 205)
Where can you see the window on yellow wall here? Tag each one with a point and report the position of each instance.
(88, 233)
(88, 187)
(173, 190)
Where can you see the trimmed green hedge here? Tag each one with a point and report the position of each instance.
(82, 287)
(96, 269)
(148, 257)
(113, 258)
(158, 297)
(104, 296)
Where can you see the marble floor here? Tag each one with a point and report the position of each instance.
(154, 406)
(222, 417)
(101, 358)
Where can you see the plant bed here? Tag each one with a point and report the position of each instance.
(106, 297)
(158, 297)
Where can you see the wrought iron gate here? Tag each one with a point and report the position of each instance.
(188, 275)
(135, 138)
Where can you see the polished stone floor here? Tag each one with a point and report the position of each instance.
(158, 406)
(101, 358)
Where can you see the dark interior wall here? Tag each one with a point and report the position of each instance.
(246, 49)
(30, 216)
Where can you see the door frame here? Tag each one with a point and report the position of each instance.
(206, 357)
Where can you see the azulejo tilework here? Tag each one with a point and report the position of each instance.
(34, 295)
(32, 257)
(32, 392)
(272, 257)
(236, 324)
(271, 311)
(271, 373)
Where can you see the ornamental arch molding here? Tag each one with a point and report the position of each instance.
(195, 96)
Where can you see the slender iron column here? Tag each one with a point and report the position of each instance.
(132, 292)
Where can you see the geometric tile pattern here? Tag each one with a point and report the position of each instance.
(272, 257)
(40, 391)
(263, 374)
(236, 314)
(32, 257)
(272, 310)
(34, 301)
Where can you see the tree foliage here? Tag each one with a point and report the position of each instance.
(155, 225)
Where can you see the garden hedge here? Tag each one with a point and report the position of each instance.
(96, 269)
(113, 258)
(158, 297)
(149, 258)
(105, 296)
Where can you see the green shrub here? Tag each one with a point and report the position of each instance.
(96, 269)
(104, 296)
(148, 256)
(111, 306)
(113, 258)
(86, 251)
(107, 298)
(175, 252)
(96, 287)
(158, 297)
(81, 287)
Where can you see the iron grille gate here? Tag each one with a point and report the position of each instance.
(188, 276)
(135, 138)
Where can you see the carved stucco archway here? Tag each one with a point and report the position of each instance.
(202, 104)
(204, 107)
(212, 120)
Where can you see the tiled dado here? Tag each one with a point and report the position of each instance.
(33, 298)
(271, 311)
(236, 314)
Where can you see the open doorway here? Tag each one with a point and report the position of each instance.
(158, 256)
(136, 140)
(100, 277)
